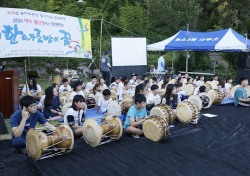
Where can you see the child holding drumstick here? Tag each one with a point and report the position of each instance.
(135, 117)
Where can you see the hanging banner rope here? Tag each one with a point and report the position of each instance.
(26, 32)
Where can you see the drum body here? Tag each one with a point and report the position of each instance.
(95, 134)
(40, 145)
(155, 128)
(188, 112)
(126, 104)
(163, 111)
(216, 96)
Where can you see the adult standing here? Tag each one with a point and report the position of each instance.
(105, 67)
(161, 62)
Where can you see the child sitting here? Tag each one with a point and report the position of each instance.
(104, 102)
(75, 115)
(23, 120)
(135, 117)
(153, 97)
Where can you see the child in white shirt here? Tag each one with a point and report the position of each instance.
(104, 102)
(153, 97)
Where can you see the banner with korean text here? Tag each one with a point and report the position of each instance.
(29, 33)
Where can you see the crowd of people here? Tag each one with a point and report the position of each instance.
(146, 93)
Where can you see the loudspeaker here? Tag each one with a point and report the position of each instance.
(3, 128)
(242, 73)
(243, 61)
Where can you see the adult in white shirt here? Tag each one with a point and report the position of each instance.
(32, 86)
(77, 90)
(65, 87)
(104, 101)
(161, 62)
(75, 116)
(89, 86)
(200, 81)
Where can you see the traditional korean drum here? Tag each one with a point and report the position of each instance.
(95, 134)
(187, 112)
(114, 108)
(64, 100)
(162, 92)
(113, 95)
(66, 107)
(127, 96)
(155, 128)
(189, 89)
(233, 90)
(196, 100)
(40, 145)
(126, 104)
(216, 96)
(210, 85)
(206, 100)
(163, 111)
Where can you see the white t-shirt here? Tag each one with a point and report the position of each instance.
(64, 89)
(228, 86)
(184, 81)
(103, 104)
(133, 82)
(89, 86)
(199, 83)
(160, 61)
(33, 92)
(129, 91)
(217, 82)
(152, 97)
(41, 102)
(77, 116)
(72, 95)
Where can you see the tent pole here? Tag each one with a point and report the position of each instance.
(187, 50)
(187, 61)
(173, 63)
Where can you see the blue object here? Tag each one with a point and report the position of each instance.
(226, 40)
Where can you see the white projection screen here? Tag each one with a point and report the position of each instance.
(129, 51)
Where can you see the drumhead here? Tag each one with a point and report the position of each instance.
(64, 100)
(184, 113)
(206, 100)
(196, 100)
(97, 97)
(92, 132)
(114, 108)
(33, 144)
(189, 89)
(215, 95)
(66, 107)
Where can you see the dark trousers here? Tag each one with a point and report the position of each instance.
(19, 142)
(106, 77)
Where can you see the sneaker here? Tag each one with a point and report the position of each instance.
(135, 136)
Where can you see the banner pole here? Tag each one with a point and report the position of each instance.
(100, 47)
(26, 79)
